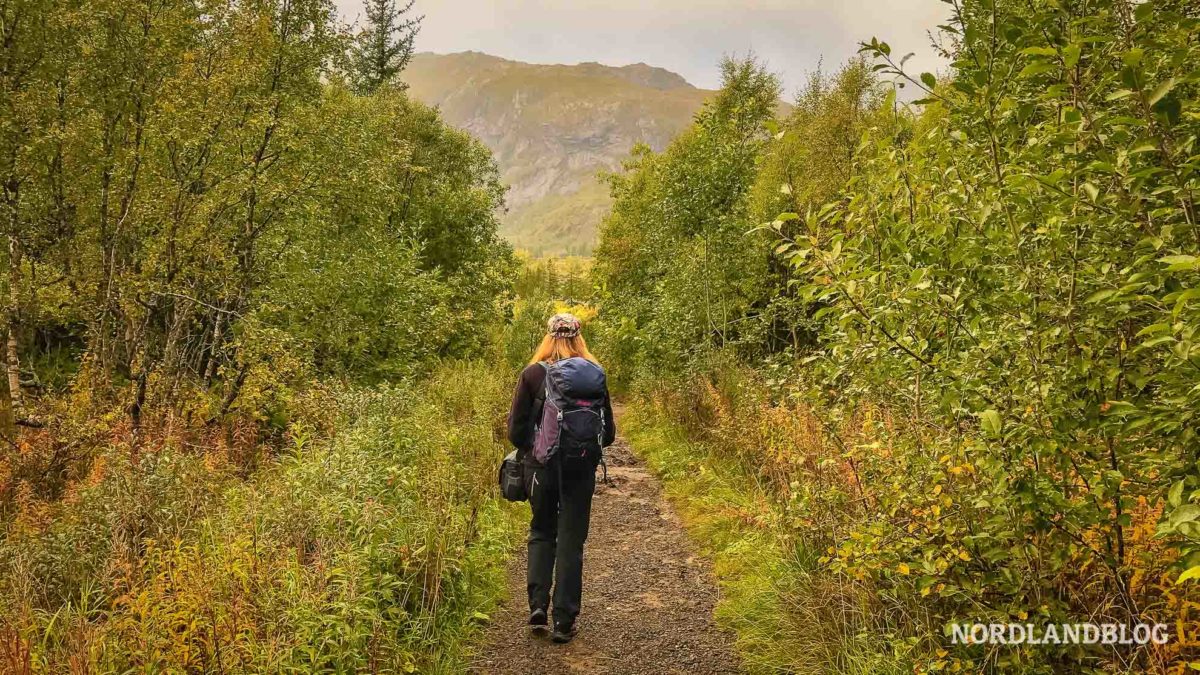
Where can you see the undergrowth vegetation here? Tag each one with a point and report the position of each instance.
(787, 616)
(951, 342)
(244, 276)
(374, 543)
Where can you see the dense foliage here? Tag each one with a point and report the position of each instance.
(674, 260)
(225, 267)
(984, 410)
(374, 544)
(544, 287)
(201, 216)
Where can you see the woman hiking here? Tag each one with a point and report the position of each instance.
(560, 420)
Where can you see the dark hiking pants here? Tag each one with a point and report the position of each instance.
(556, 534)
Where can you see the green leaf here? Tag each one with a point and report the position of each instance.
(1118, 408)
(1161, 91)
(990, 421)
(1186, 513)
(1152, 343)
(1036, 68)
(889, 101)
(1175, 494)
(928, 80)
(1186, 296)
(1071, 55)
(1092, 191)
(1177, 260)
(1154, 328)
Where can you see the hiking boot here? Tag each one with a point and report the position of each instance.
(537, 618)
(563, 634)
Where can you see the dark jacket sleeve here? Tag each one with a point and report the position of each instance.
(610, 423)
(520, 414)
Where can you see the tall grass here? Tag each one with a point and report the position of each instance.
(787, 616)
(377, 547)
(850, 544)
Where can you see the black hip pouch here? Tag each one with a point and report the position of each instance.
(512, 479)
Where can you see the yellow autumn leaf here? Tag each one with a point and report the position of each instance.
(904, 569)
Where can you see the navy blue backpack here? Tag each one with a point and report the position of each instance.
(572, 423)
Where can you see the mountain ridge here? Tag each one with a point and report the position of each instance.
(641, 72)
(554, 128)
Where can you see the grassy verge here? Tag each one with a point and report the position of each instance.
(788, 618)
(379, 547)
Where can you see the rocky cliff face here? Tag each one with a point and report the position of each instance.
(553, 129)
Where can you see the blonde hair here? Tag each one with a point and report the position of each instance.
(558, 348)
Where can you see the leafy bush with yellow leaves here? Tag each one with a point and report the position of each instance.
(378, 548)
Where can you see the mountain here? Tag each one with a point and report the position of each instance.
(553, 128)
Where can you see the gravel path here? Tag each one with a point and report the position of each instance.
(647, 599)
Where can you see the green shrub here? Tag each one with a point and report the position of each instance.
(379, 548)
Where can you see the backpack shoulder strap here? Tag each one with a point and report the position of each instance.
(546, 379)
(539, 401)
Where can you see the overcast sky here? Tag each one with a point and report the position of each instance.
(686, 36)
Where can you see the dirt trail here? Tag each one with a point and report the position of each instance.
(647, 599)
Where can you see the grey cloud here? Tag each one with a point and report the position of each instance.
(686, 36)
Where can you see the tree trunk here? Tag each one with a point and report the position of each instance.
(210, 369)
(12, 358)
